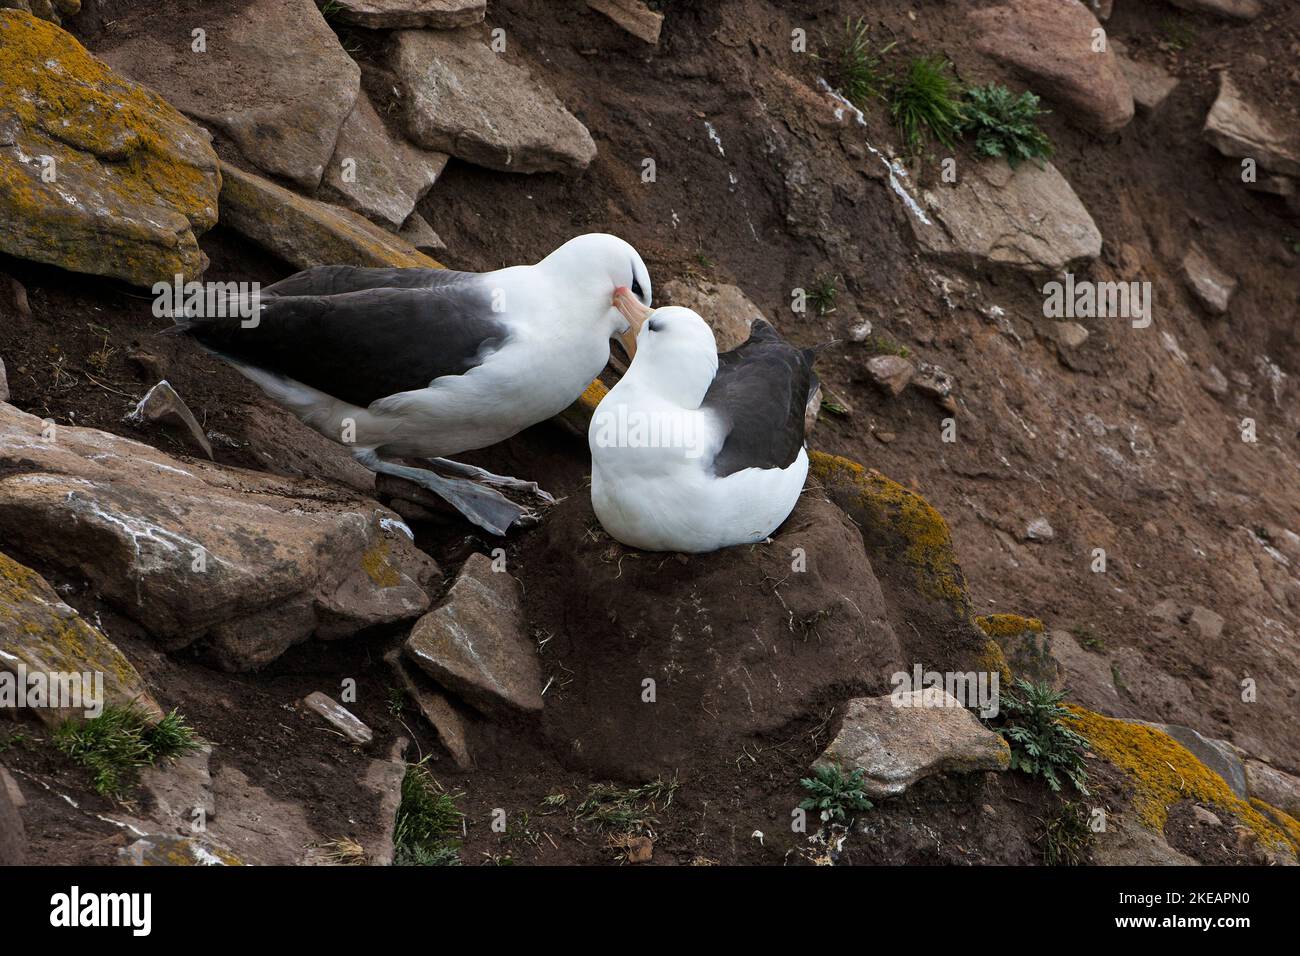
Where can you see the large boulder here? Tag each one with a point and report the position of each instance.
(307, 233)
(897, 739)
(657, 660)
(97, 173)
(241, 564)
(462, 98)
(43, 639)
(1052, 45)
(1026, 218)
(1239, 129)
(375, 173)
(271, 76)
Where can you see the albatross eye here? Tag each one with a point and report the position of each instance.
(636, 289)
(655, 325)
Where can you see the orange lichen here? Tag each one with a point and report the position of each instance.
(887, 505)
(1164, 772)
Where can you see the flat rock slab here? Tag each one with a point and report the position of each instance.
(1239, 129)
(305, 232)
(376, 174)
(13, 836)
(162, 406)
(97, 173)
(1236, 9)
(726, 309)
(891, 373)
(633, 16)
(400, 14)
(1027, 218)
(243, 564)
(923, 733)
(274, 78)
(1050, 44)
(1212, 286)
(1218, 755)
(475, 645)
(168, 849)
(462, 98)
(437, 710)
(1150, 84)
(40, 635)
(338, 717)
(1274, 787)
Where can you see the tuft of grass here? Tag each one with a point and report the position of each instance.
(833, 795)
(344, 852)
(1004, 124)
(1067, 836)
(1178, 33)
(118, 743)
(855, 67)
(396, 701)
(427, 818)
(1041, 744)
(926, 101)
(627, 810)
(821, 295)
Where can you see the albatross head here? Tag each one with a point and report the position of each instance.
(676, 355)
(600, 269)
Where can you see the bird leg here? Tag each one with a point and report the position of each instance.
(490, 510)
(485, 476)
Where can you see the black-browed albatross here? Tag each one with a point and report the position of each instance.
(430, 363)
(693, 451)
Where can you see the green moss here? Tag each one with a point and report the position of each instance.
(1008, 625)
(1164, 772)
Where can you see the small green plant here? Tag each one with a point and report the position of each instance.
(427, 818)
(1041, 745)
(855, 66)
(1178, 33)
(1004, 124)
(835, 408)
(926, 101)
(628, 810)
(396, 701)
(879, 345)
(833, 795)
(119, 742)
(821, 295)
(1067, 836)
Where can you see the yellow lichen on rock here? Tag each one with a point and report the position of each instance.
(378, 568)
(889, 507)
(992, 660)
(40, 632)
(1008, 625)
(1164, 772)
(97, 173)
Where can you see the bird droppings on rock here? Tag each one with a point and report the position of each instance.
(162, 406)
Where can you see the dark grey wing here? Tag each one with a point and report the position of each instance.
(333, 280)
(362, 346)
(760, 393)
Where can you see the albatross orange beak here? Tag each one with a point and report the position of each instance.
(635, 312)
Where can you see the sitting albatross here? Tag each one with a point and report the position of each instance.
(694, 451)
(430, 363)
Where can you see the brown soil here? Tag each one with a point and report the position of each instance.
(1119, 445)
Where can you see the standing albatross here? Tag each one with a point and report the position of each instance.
(430, 363)
(693, 451)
